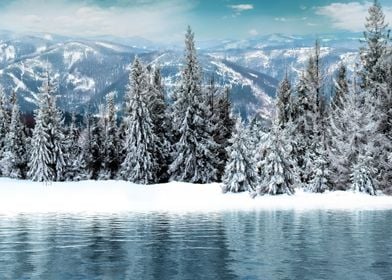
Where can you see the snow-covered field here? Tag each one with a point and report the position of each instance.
(117, 196)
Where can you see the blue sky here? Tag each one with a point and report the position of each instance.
(166, 20)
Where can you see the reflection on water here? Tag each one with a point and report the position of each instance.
(232, 245)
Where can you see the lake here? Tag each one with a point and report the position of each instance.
(223, 245)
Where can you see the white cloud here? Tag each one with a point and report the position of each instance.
(253, 32)
(282, 19)
(350, 16)
(158, 20)
(241, 7)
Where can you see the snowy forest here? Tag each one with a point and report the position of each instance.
(317, 140)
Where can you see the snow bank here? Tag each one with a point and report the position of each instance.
(117, 196)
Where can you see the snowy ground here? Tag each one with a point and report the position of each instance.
(115, 196)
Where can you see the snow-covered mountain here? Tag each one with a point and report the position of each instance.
(87, 70)
(275, 54)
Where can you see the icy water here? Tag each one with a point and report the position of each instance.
(232, 245)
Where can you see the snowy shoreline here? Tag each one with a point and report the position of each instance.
(18, 196)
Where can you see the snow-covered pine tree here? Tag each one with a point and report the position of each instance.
(375, 58)
(303, 129)
(14, 161)
(342, 107)
(76, 164)
(310, 120)
(58, 139)
(376, 40)
(194, 155)
(86, 145)
(48, 144)
(278, 174)
(224, 126)
(384, 101)
(95, 147)
(256, 131)
(158, 110)
(355, 139)
(240, 172)
(321, 178)
(314, 79)
(362, 176)
(4, 121)
(283, 104)
(41, 157)
(384, 68)
(340, 88)
(140, 164)
(110, 157)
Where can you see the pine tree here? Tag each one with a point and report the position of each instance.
(321, 179)
(340, 88)
(240, 172)
(158, 110)
(48, 143)
(375, 75)
(361, 176)
(110, 158)
(140, 165)
(94, 150)
(41, 156)
(376, 39)
(303, 130)
(278, 174)
(14, 161)
(4, 122)
(223, 128)
(56, 125)
(256, 132)
(283, 104)
(194, 149)
(356, 138)
(76, 164)
(86, 146)
(383, 105)
(343, 105)
(310, 119)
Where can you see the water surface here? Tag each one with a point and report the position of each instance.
(229, 245)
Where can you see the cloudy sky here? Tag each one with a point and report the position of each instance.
(166, 20)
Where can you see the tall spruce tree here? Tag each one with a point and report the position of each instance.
(342, 106)
(14, 161)
(223, 128)
(76, 164)
(278, 170)
(47, 161)
(158, 109)
(354, 140)
(87, 146)
(194, 147)
(340, 91)
(375, 74)
(96, 152)
(140, 164)
(303, 122)
(310, 122)
(4, 121)
(376, 40)
(110, 158)
(240, 172)
(362, 176)
(283, 104)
